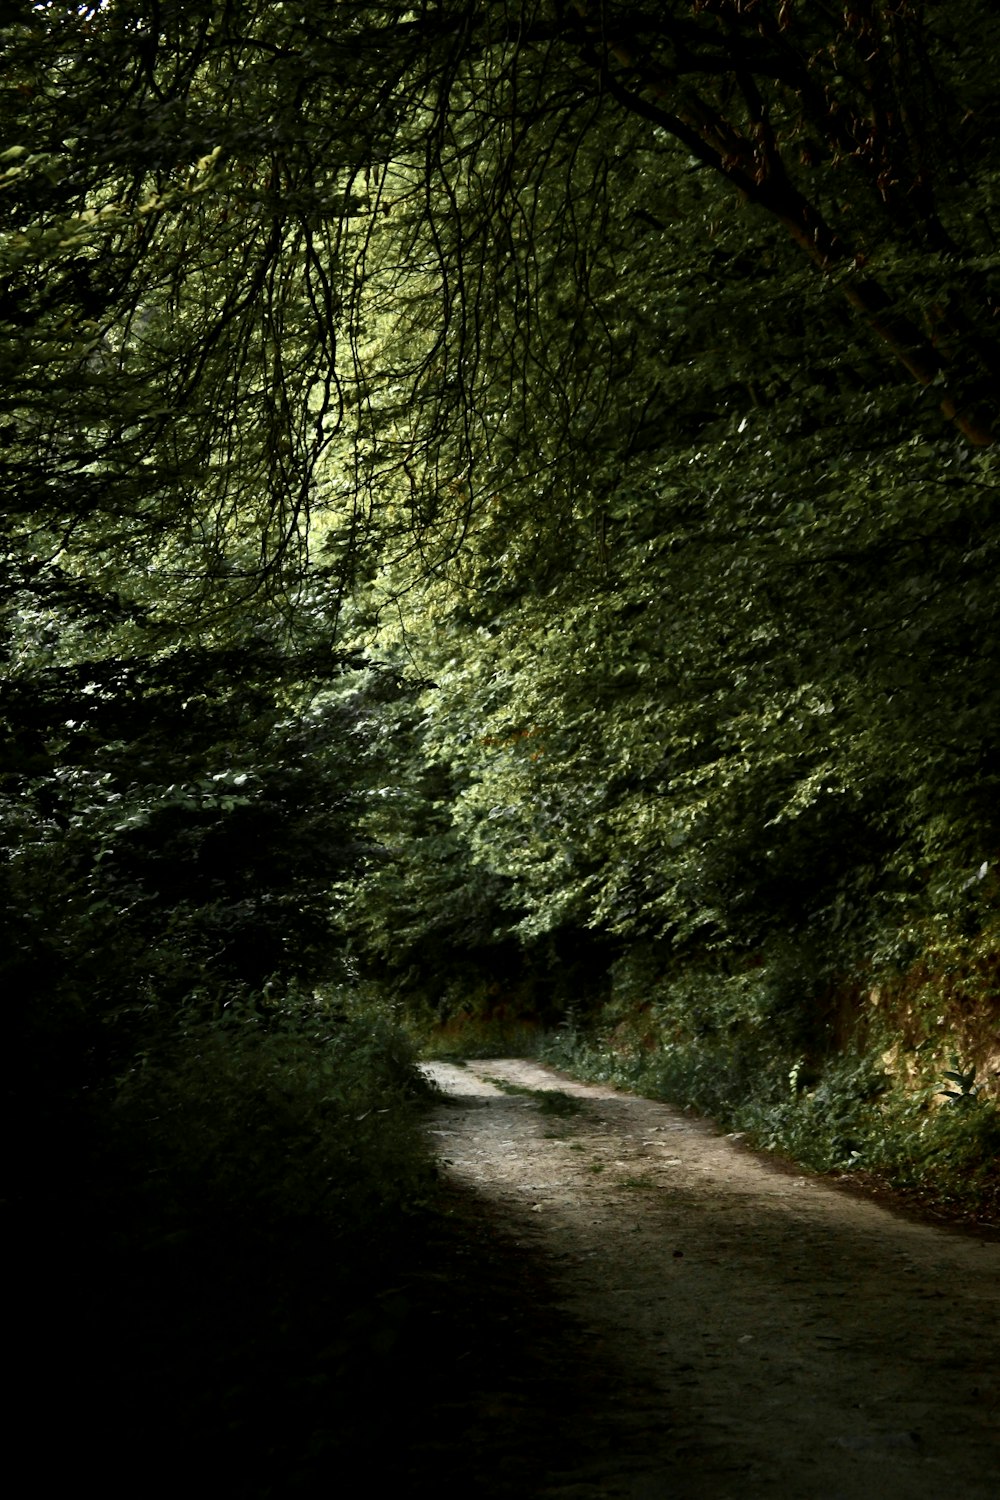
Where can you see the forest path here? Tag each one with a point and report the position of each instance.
(775, 1336)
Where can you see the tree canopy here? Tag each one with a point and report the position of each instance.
(528, 465)
(498, 515)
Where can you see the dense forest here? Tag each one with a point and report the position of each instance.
(497, 545)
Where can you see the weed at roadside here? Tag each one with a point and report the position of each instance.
(844, 1114)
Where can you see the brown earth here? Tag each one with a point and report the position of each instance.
(635, 1306)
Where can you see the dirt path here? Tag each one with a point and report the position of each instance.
(777, 1337)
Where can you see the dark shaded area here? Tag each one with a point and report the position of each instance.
(262, 1364)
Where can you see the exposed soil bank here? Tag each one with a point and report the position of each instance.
(731, 1330)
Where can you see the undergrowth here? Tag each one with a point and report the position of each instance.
(473, 1036)
(271, 1112)
(927, 1128)
(241, 1207)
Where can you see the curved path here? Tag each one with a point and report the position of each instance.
(781, 1338)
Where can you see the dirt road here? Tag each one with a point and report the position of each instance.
(772, 1336)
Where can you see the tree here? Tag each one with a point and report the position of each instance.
(438, 327)
(542, 125)
(712, 629)
(178, 782)
(862, 134)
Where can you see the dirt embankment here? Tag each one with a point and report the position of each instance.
(738, 1331)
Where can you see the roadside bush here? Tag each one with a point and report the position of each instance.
(732, 1047)
(303, 1109)
(953, 1153)
(243, 1206)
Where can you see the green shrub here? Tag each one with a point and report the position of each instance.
(950, 1153)
(937, 1134)
(273, 1112)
